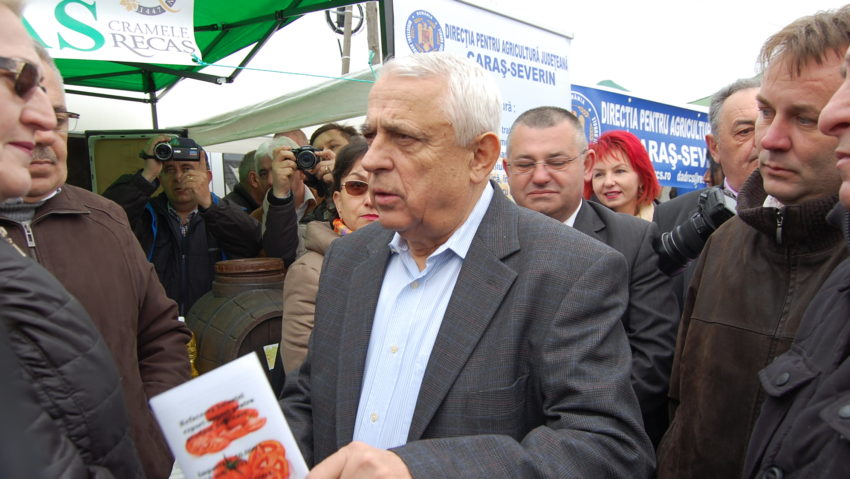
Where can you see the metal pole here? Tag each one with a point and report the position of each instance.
(346, 41)
(372, 31)
(153, 111)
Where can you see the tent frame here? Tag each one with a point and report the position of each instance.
(280, 19)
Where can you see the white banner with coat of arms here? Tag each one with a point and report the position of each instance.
(144, 31)
(529, 63)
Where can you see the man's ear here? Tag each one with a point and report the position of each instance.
(253, 180)
(505, 167)
(486, 151)
(589, 160)
(711, 143)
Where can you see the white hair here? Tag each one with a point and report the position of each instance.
(266, 150)
(473, 104)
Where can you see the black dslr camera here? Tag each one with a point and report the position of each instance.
(180, 149)
(305, 157)
(679, 247)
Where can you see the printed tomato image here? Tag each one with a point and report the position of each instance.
(268, 461)
(229, 423)
(232, 467)
(221, 411)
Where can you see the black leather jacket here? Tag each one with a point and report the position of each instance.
(70, 388)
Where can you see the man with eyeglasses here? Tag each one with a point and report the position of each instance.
(86, 242)
(546, 169)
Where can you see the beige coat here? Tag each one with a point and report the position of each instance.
(299, 294)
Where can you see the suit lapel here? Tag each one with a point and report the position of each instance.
(482, 285)
(359, 313)
(589, 222)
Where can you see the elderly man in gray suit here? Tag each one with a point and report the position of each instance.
(462, 336)
(547, 168)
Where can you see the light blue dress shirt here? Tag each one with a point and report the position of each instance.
(407, 319)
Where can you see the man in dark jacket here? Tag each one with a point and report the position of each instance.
(63, 413)
(249, 191)
(70, 231)
(805, 419)
(732, 114)
(759, 271)
(546, 172)
(185, 230)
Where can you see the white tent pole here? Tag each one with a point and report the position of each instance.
(346, 41)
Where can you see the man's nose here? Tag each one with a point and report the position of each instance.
(38, 113)
(775, 136)
(540, 174)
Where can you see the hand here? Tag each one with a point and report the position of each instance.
(283, 166)
(197, 182)
(358, 460)
(324, 170)
(153, 166)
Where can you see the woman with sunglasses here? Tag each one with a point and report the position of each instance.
(354, 210)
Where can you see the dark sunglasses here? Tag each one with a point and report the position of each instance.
(25, 74)
(355, 187)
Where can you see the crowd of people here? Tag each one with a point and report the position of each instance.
(432, 326)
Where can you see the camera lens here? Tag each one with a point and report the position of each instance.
(685, 243)
(163, 151)
(305, 159)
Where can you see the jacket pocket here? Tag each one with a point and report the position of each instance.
(786, 373)
(498, 402)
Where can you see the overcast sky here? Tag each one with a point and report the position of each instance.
(673, 51)
(664, 50)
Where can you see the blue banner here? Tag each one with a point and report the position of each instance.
(673, 136)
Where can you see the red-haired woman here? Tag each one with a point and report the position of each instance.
(622, 176)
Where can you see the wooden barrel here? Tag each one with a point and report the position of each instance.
(242, 313)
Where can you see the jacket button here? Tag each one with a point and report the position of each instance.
(782, 379)
(844, 412)
(773, 472)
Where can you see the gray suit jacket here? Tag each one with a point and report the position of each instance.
(652, 318)
(529, 374)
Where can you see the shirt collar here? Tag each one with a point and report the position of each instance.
(572, 219)
(461, 239)
(728, 187)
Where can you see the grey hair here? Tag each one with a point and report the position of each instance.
(722, 95)
(473, 104)
(266, 150)
(549, 116)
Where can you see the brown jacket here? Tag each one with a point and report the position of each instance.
(299, 294)
(804, 423)
(742, 309)
(86, 242)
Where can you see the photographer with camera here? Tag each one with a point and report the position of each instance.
(684, 226)
(298, 178)
(185, 230)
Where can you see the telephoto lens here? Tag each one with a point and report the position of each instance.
(679, 247)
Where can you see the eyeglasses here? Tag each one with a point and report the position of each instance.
(66, 120)
(25, 74)
(356, 187)
(558, 163)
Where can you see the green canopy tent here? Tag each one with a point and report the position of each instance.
(222, 28)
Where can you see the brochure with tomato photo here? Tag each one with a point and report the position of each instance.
(227, 423)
